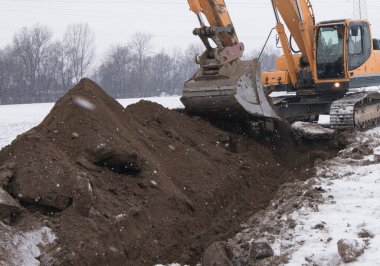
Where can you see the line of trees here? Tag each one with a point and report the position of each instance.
(134, 70)
(37, 68)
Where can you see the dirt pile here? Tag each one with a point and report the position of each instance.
(140, 185)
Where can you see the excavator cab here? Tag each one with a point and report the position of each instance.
(343, 50)
(224, 84)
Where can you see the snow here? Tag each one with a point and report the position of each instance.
(324, 120)
(313, 130)
(84, 103)
(23, 247)
(366, 89)
(2, 196)
(120, 216)
(354, 207)
(171, 102)
(7, 203)
(17, 119)
(277, 94)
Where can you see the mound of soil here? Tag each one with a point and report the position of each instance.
(141, 185)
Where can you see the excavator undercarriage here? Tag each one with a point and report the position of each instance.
(358, 110)
(349, 111)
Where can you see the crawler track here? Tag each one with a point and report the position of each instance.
(360, 110)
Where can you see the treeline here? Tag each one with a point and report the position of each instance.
(35, 67)
(134, 70)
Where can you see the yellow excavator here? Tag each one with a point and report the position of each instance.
(318, 75)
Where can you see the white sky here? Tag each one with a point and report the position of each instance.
(170, 21)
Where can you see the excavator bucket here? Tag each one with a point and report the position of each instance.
(232, 89)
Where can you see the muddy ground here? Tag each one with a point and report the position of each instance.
(272, 236)
(143, 185)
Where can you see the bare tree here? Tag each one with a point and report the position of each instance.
(31, 51)
(7, 68)
(190, 54)
(268, 57)
(161, 73)
(51, 76)
(114, 73)
(141, 48)
(79, 47)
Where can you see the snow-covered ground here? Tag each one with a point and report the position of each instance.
(23, 246)
(306, 220)
(352, 206)
(17, 119)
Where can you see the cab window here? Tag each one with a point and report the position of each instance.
(355, 40)
(330, 52)
(358, 44)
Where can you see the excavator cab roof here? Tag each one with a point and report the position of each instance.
(341, 21)
(337, 21)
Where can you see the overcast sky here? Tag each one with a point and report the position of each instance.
(170, 21)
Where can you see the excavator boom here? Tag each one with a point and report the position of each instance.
(299, 19)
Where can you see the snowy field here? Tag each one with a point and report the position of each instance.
(17, 119)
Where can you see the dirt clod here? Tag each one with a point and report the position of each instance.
(8, 206)
(216, 255)
(312, 131)
(5, 176)
(365, 234)
(260, 250)
(349, 250)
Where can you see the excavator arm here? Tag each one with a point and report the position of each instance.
(224, 84)
(298, 16)
(220, 30)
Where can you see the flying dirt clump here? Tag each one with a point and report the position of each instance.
(143, 184)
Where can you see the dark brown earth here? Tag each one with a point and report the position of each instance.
(142, 185)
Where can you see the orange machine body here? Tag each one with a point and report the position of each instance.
(305, 72)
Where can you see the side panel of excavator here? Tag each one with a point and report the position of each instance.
(235, 90)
